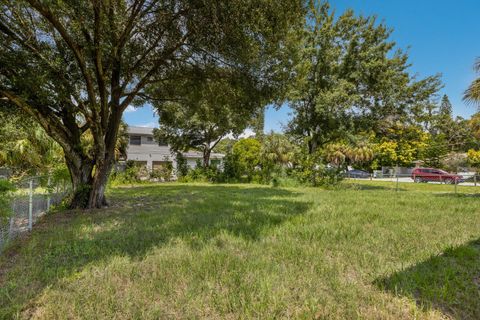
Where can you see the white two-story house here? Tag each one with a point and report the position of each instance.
(143, 149)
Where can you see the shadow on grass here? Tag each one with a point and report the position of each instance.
(458, 195)
(139, 220)
(361, 186)
(449, 282)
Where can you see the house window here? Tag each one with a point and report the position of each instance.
(162, 143)
(136, 140)
(149, 139)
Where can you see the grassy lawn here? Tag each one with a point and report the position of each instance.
(248, 251)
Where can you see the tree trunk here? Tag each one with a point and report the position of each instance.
(206, 157)
(81, 177)
(312, 146)
(97, 193)
(88, 188)
(88, 184)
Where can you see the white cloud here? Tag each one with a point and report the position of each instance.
(130, 109)
(245, 134)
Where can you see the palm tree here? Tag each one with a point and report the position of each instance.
(472, 94)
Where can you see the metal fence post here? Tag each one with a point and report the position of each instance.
(12, 220)
(475, 179)
(397, 182)
(48, 197)
(30, 207)
(456, 182)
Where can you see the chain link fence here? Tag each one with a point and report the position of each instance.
(463, 182)
(33, 197)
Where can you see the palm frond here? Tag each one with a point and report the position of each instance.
(476, 65)
(472, 94)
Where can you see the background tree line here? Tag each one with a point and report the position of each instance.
(68, 71)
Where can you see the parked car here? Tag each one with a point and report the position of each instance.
(437, 175)
(355, 173)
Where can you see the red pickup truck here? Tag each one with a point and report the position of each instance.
(437, 175)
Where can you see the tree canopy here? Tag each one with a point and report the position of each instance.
(208, 107)
(350, 77)
(75, 66)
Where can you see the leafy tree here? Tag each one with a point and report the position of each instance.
(342, 154)
(24, 146)
(436, 149)
(75, 66)
(277, 155)
(246, 154)
(224, 146)
(473, 157)
(207, 110)
(400, 146)
(349, 78)
(472, 94)
(445, 110)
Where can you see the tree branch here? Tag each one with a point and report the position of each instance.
(50, 17)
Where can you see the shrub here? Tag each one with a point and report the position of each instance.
(132, 174)
(202, 174)
(5, 188)
(162, 174)
(182, 166)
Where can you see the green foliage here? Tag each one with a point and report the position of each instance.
(472, 94)
(203, 174)
(5, 188)
(182, 165)
(311, 170)
(25, 148)
(133, 174)
(436, 149)
(246, 153)
(209, 107)
(162, 174)
(400, 145)
(76, 66)
(473, 157)
(349, 78)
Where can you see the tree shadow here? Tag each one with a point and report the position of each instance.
(374, 187)
(140, 219)
(449, 282)
(458, 195)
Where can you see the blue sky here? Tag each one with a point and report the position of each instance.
(441, 36)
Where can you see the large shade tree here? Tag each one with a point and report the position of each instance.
(208, 107)
(349, 78)
(75, 66)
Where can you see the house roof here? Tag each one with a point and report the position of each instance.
(140, 130)
(199, 155)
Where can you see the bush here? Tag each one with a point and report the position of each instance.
(132, 174)
(312, 171)
(202, 174)
(182, 166)
(162, 174)
(5, 188)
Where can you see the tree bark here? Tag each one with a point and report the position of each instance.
(206, 157)
(88, 184)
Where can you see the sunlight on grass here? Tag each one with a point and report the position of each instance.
(249, 251)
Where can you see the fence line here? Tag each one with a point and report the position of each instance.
(453, 180)
(33, 197)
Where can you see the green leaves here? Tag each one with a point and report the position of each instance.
(348, 78)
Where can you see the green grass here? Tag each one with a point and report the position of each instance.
(247, 251)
